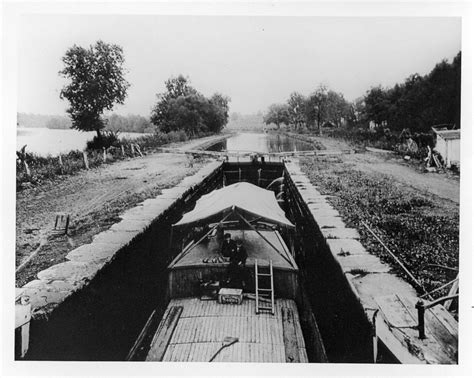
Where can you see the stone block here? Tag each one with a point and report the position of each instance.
(324, 210)
(345, 246)
(95, 252)
(44, 297)
(139, 213)
(173, 193)
(325, 221)
(340, 233)
(71, 271)
(131, 225)
(367, 263)
(370, 286)
(118, 238)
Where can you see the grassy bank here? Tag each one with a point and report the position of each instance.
(384, 139)
(418, 227)
(44, 168)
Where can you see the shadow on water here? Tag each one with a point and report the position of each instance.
(263, 143)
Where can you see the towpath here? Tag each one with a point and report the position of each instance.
(443, 185)
(94, 199)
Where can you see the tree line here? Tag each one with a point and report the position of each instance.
(417, 104)
(420, 102)
(321, 107)
(96, 83)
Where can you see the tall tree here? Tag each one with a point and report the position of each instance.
(421, 101)
(182, 107)
(317, 107)
(338, 109)
(277, 114)
(296, 110)
(377, 105)
(97, 83)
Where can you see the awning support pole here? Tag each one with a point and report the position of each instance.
(263, 237)
(205, 235)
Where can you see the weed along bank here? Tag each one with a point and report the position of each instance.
(245, 261)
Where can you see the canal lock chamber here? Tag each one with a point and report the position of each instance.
(103, 321)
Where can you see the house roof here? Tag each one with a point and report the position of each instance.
(448, 134)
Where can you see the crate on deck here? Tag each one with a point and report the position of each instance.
(230, 296)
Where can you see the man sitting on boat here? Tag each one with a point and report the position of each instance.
(228, 246)
(236, 268)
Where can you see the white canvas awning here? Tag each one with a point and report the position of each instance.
(241, 197)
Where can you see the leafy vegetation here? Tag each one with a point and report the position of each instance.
(277, 114)
(96, 84)
(420, 102)
(131, 123)
(321, 107)
(417, 230)
(182, 107)
(416, 105)
(108, 139)
(49, 167)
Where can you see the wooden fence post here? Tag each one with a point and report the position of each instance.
(123, 150)
(27, 169)
(86, 161)
(104, 154)
(22, 156)
(132, 149)
(137, 147)
(60, 161)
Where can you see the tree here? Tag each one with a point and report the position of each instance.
(317, 107)
(356, 113)
(219, 112)
(421, 101)
(97, 83)
(296, 110)
(377, 105)
(277, 114)
(182, 107)
(338, 109)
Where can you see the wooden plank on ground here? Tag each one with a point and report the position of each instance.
(395, 312)
(164, 333)
(401, 334)
(289, 335)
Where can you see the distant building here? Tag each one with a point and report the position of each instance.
(448, 145)
(374, 126)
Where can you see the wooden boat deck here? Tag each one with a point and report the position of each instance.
(256, 246)
(197, 330)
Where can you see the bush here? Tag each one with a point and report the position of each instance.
(48, 167)
(414, 227)
(107, 139)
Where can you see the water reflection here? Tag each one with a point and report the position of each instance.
(264, 143)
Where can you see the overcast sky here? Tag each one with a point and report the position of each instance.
(256, 61)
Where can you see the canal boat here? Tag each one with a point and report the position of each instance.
(207, 318)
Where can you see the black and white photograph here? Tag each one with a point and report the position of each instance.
(230, 188)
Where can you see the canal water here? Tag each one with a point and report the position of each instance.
(263, 143)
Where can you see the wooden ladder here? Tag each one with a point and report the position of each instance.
(266, 293)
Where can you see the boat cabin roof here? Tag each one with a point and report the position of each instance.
(255, 245)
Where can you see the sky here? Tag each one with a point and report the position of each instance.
(256, 61)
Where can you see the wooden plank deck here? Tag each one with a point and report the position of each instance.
(400, 316)
(203, 325)
(165, 332)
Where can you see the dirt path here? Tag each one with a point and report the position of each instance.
(405, 173)
(94, 199)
